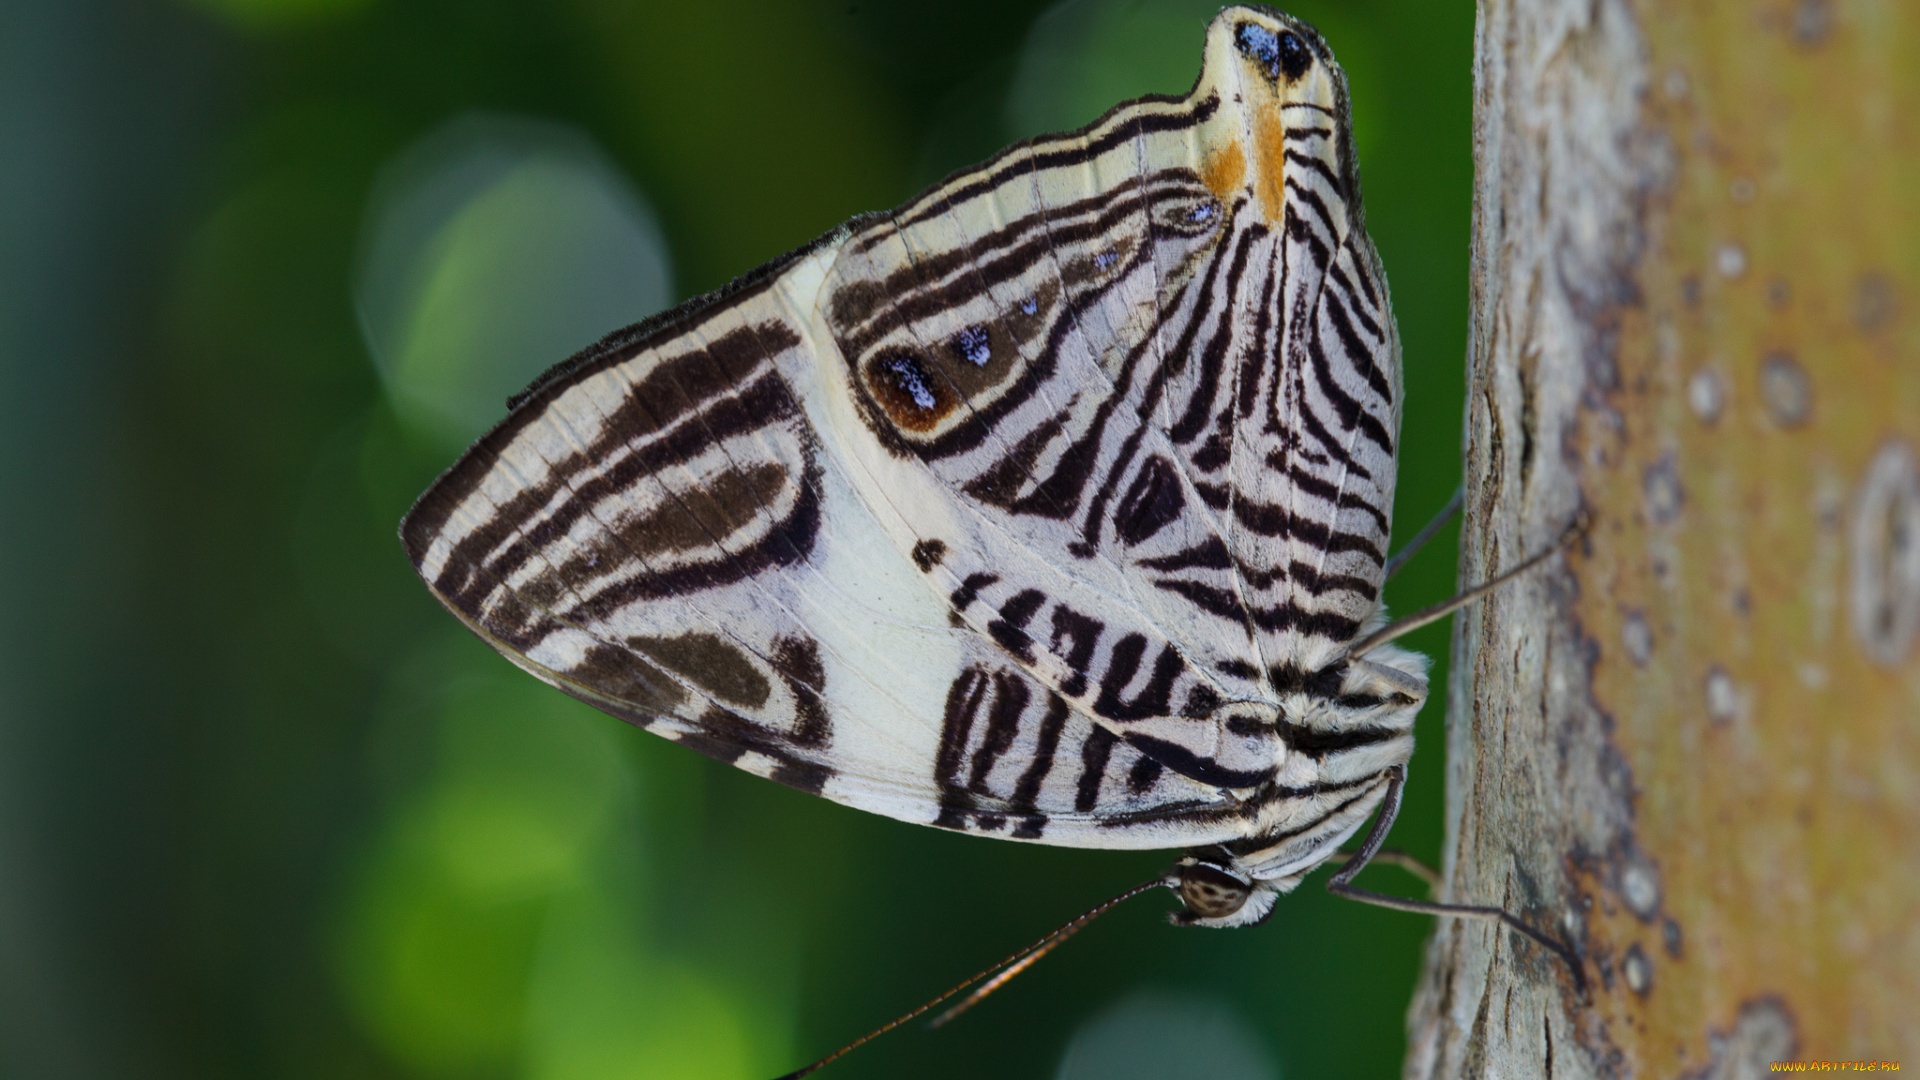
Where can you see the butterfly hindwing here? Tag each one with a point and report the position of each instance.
(645, 532)
(663, 533)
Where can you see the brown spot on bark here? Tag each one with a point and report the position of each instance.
(1637, 969)
(1812, 22)
(1763, 1033)
(1661, 483)
(1779, 294)
(1723, 698)
(1785, 388)
(1637, 637)
(1884, 586)
(1873, 303)
(1707, 395)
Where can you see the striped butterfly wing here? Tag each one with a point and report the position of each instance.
(667, 530)
(976, 513)
(1134, 394)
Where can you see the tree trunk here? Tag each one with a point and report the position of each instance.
(1692, 746)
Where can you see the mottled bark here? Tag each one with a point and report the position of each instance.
(1691, 746)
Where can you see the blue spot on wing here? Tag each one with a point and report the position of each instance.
(1261, 44)
(911, 380)
(972, 343)
(1277, 53)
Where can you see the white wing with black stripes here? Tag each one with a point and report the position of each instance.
(1044, 506)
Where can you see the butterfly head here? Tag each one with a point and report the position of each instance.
(1283, 83)
(1217, 892)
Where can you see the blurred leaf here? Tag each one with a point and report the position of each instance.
(528, 778)
(1083, 57)
(279, 14)
(439, 937)
(1158, 1035)
(358, 586)
(495, 248)
(759, 131)
(602, 1009)
(438, 974)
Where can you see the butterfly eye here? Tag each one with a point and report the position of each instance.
(1209, 892)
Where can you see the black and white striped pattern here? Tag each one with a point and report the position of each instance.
(1044, 506)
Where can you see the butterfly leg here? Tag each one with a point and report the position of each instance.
(1341, 885)
(1396, 857)
(1445, 608)
(1426, 532)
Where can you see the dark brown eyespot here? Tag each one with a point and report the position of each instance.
(914, 394)
(1211, 893)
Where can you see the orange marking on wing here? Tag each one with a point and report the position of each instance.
(1270, 161)
(1224, 171)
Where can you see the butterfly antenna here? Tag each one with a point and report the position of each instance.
(1000, 974)
(1022, 961)
(1441, 610)
(1427, 532)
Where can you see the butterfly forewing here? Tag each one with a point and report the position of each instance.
(983, 513)
(1044, 442)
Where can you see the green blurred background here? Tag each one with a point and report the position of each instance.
(266, 810)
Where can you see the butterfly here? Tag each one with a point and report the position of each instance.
(1053, 505)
